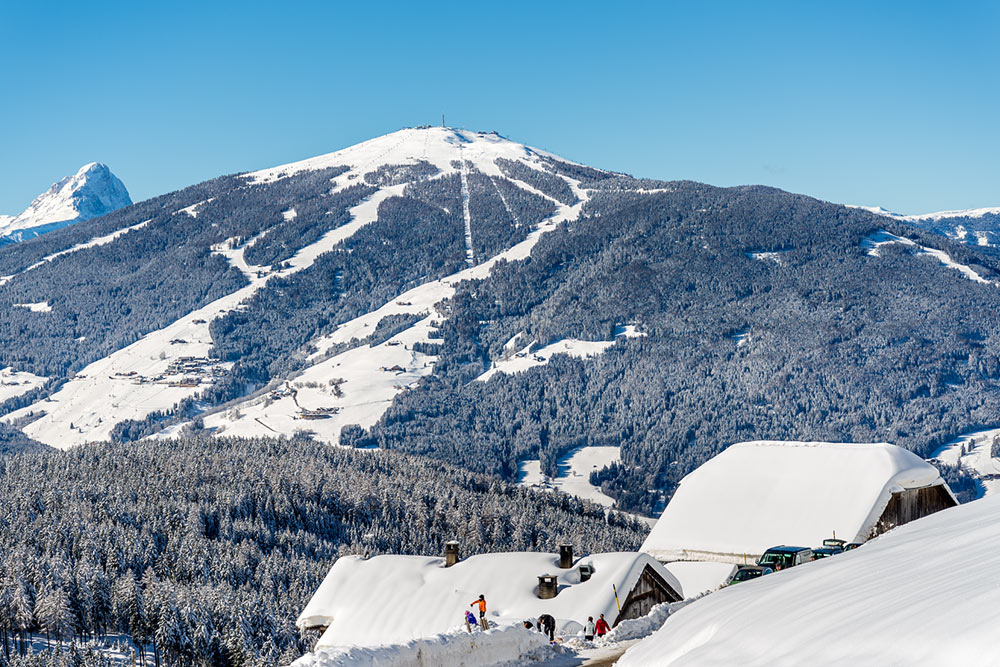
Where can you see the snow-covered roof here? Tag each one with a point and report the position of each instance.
(756, 495)
(392, 599)
(927, 593)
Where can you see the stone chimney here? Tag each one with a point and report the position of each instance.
(450, 553)
(565, 556)
(547, 586)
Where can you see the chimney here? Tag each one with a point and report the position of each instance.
(450, 553)
(547, 587)
(565, 556)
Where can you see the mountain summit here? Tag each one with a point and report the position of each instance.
(91, 192)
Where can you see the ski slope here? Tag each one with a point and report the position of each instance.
(882, 238)
(974, 452)
(927, 593)
(524, 359)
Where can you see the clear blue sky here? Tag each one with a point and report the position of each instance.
(895, 104)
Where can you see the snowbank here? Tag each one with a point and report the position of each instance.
(395, 599)
(927, 593)
(699, 577)
(511, 644)
(756, 495)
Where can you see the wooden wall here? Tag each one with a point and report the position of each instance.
(649, 591)
(905, 506)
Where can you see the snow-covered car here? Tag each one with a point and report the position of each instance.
(748, 572)
(826, 552)
(782, 557)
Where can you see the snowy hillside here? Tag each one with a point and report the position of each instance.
(330, 391)
(927, 593)
(977, 226)
(91, 192)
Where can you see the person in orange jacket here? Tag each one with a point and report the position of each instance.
(482, 611)
(602, 626)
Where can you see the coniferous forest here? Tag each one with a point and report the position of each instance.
(206, 550)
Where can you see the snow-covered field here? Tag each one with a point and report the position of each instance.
(927, 593)
(881, 238)
(974, 452)
(574, 473)
(14, 383)
(521, 360)
(699, 577)
(39, 307)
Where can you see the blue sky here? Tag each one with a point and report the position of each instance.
(895, 104)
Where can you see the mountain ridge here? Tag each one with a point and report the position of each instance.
(91, 192)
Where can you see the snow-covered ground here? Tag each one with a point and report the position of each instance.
(880, 238)
(512, 645)
(974, 452)
(574, 473)
(767, 256)
(39, 307)
(927, 593)
(521, 360)
(699, 577)
(14, 383)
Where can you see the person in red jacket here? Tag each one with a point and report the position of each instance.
(601, 626)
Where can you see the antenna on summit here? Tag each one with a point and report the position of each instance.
(442, 120)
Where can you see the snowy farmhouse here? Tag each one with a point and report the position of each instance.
(396, 599)
(756, 495)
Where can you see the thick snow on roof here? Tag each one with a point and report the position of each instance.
(756, 495)
(393, 599)
(927, 593)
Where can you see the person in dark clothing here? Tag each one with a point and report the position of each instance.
(547, 625)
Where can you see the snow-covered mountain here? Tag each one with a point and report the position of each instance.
(470, 298)
(91, 192)
(975, 226)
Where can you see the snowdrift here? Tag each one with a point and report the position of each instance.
(756, 495)
(927, 593)
(456, 648)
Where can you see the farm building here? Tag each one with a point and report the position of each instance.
(756, 495)
(395, 599)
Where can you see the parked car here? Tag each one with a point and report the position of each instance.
(826, 552)
(782, 557)
(834, 542)
(851, 545)
(748, 572)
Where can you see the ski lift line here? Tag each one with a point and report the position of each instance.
(470, 257)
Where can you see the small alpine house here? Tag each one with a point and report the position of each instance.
(757, 495)
(394, 599)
